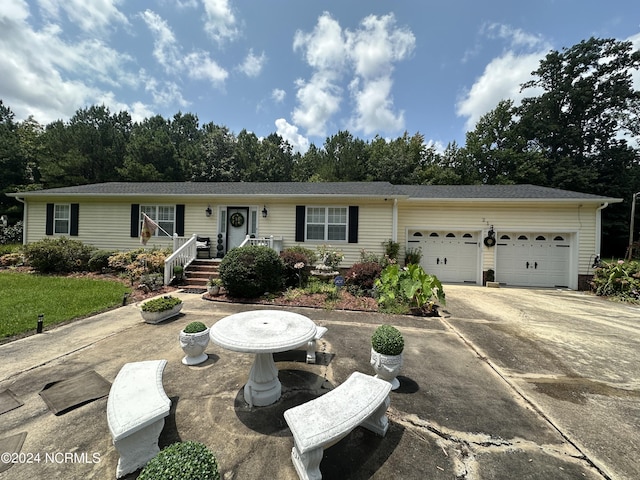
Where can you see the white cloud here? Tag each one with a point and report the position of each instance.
(290, 133)
(500, 80)
(253, 64)
(165, 46)
(201, 67)
(503, 75)
(168, 53)
(220, 21)
(374, 107)
(324, 48)
(368, 55)
(318, 100)
(45, 75)
(278, 95)
(94, 16)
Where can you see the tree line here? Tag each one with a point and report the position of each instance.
(578, 130)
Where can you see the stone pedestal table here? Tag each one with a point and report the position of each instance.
(263, 333)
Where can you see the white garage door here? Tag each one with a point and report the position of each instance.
(452, 256)
(533, 259)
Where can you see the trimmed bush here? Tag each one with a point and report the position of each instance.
(99, 261)
(195, 327)
(249, 272)
(59, 255)
(182, 461)
(387, 340)
(11, 234)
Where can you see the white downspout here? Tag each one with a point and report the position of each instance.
(394, 221)
(599, 226)
(24, 220)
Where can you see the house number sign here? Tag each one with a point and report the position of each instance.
(237, 220)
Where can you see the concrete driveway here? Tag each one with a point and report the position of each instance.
(573, 357)
(509, 384)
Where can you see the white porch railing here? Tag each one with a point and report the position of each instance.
(184, 252)
(271, 242)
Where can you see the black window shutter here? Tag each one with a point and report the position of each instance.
(75, 210)
(49, 220)
(353, 224)
(300, 214)
(135, 219)
(180, 220)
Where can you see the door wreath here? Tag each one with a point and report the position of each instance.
(236, 220)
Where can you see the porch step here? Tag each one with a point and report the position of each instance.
(199, 272)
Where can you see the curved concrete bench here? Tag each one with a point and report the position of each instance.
(136, 408)
(318, 424)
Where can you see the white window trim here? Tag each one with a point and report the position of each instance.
(154, 217)
(66, 219)
(326, 224)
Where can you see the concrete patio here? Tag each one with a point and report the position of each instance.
(454, 415)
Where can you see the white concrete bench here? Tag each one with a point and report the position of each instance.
(311, 345)
(136, 408)
(361, 400)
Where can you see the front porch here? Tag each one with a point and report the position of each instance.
(200, 264)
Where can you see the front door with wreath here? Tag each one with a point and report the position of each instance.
(237, 226)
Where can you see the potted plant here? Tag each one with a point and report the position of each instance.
(213, 285)
(160, 308)
(184, 460)
(194, 339)
(387, 344)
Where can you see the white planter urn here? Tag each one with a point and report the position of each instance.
(194, 345)
(387, 367)
(157, 317)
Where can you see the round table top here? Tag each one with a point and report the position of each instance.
(262, 331)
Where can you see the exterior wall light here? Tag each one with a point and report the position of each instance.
(264, 212)
(208, 211)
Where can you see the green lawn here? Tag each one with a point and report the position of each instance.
(24, 296)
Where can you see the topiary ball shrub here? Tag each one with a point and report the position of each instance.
(361, 276)
(195, 327)
(182, 461)
(249, 272)
(387, 340)
(60, 255)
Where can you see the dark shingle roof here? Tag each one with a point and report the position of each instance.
(304, 189)
(468, 192)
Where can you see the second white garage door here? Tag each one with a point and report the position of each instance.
(533, 259)
(452, 256)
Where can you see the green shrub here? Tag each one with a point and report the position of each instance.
(195, 327)
(136, 263)
(59, 255)
(11, 234)
(99, 261)
(411, 286)
(182, 461)
(620, 280)
(249, 272)
(310, 255)
(387, 340)
(160, 304)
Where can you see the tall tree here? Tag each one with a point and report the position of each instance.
(217, 162)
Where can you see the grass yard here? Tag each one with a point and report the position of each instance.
(24, 296)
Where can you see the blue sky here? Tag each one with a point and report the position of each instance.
(304, 69)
